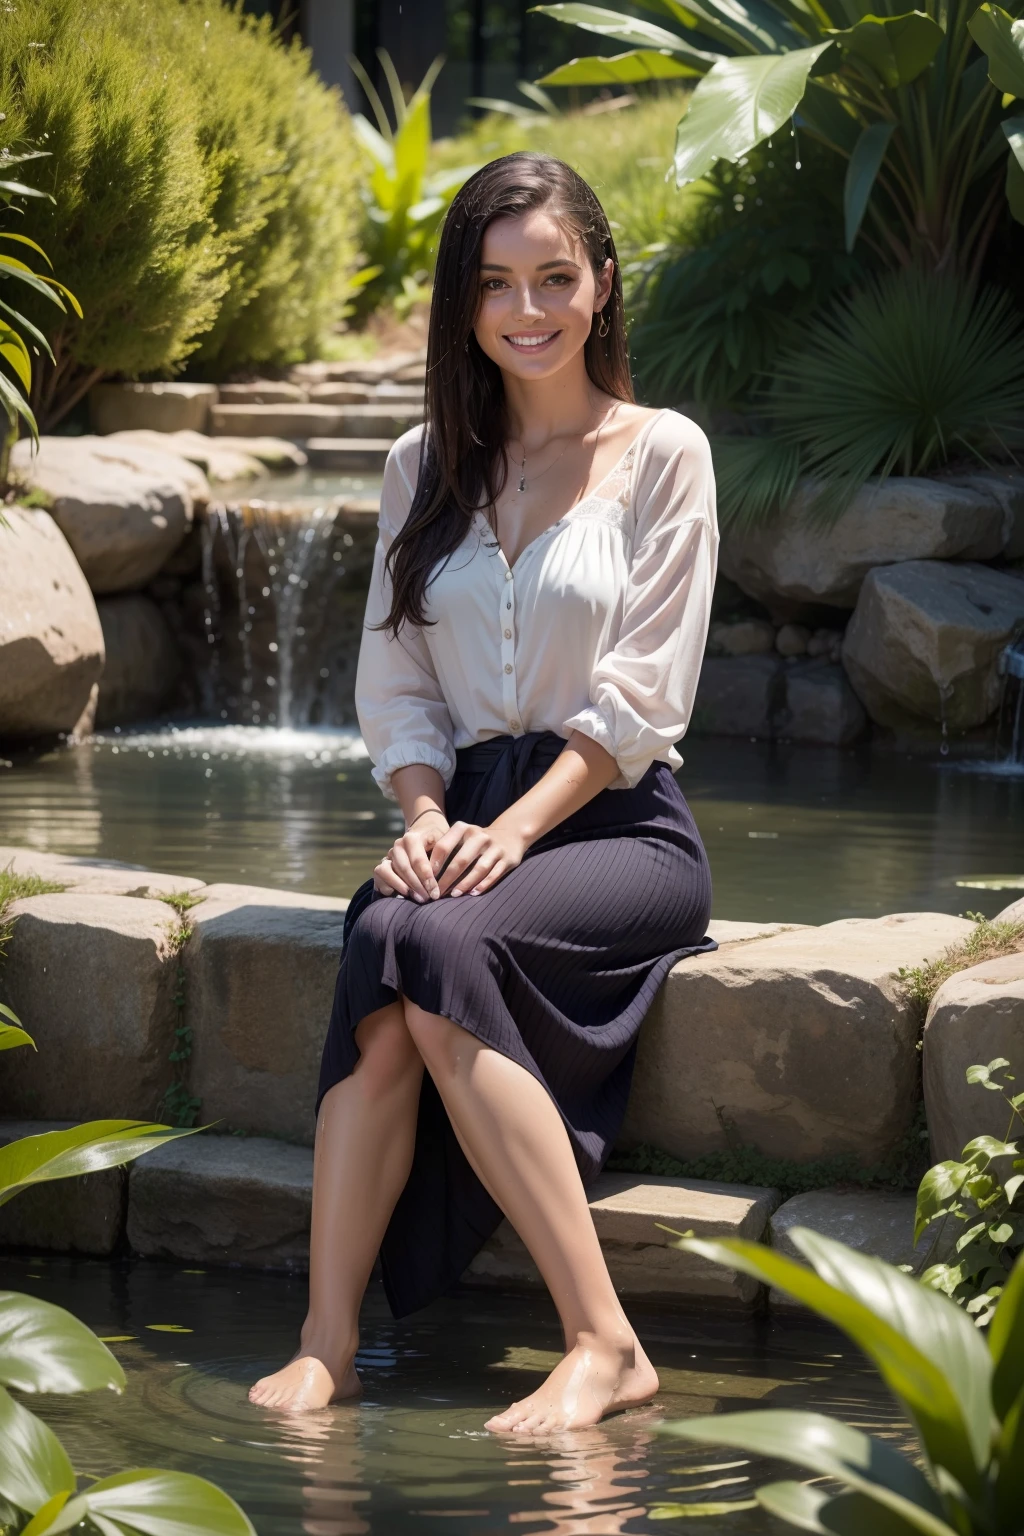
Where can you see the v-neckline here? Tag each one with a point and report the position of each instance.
(511, 565)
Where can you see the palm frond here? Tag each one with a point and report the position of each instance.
(756, 476)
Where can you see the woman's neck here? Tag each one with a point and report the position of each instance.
(541, 410)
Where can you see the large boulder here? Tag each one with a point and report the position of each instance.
(803, 560)
(879, 1223)
(820, 706)
(739, 696)
(102, 877)
(219, 460)
(1006, 488)
(926, 638)
(80, 1215)
(260, 970)
(975, 1016)
(142, 663)
(1014, 913)
(157, 407)
(803, 1045)
(51, 642)
(92, 979)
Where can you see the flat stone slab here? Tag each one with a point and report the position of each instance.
(260, 970)
(802, 1045)
(172, 407)
(83, 1215)
(725, 932)
(101, 877)
(627, 1208)
(877, 1222)
(974, 1017)
(314, 419)
(349, 453)
(223, 1200)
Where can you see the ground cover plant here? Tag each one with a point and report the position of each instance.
(962, 1392)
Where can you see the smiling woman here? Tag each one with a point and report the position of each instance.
(530, 656)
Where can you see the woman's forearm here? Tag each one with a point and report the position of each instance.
(579, 773)
(418, 789)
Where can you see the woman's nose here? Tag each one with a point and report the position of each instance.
(526, 305)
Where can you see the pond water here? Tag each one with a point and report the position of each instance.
(794, 833)
(298, 486)
(411, 1458)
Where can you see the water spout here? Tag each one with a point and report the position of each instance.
(1011, 714)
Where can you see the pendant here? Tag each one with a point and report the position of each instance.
(522, 482)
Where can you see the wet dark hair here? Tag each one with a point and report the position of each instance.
(463, 464)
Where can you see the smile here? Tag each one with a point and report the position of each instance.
(530, 341)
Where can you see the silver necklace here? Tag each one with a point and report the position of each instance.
(522, 468)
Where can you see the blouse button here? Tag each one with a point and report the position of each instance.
(508, 667)
(508, 634)
(513, 725)
(508, 575)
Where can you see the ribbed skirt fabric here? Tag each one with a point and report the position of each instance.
(555, 967)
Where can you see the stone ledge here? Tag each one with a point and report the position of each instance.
(83, 1215)
(877, 1222)
(95, 877)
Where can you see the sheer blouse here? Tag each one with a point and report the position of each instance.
(598, 627)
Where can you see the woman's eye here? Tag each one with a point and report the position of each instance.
(492, 284)
(559, 279)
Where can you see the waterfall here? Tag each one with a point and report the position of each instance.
(1011, 714)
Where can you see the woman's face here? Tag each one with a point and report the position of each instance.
(538, 294)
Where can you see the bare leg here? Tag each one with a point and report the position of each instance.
(515, 1139)
(364, 1147)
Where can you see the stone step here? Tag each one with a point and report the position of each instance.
(308, 420)
(85, 1215)
(876, 1222)
(349, 454)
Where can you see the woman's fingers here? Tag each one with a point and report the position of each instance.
(477, 872)
(412, 846)
(387, 882)
(472, 846)
(403, 868)
(499, 868)
(447, 844)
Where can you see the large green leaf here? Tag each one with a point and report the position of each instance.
(621, 69)
(33, 1463)
(898, 48)
(12, 1035)
(940, 1184)
(830, 1449)
(844, 1514)
(1015, 187)
(910, 1374)
(1010, 1457)
(157, 1504)
(631, 30)
(737, 104)
(1001, 40)
(1006, 1342)
(83, 1149)
(861, 174)
(1013, 127)
(45, 1349)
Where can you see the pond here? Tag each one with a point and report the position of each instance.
(412, 1456)
(794, 834)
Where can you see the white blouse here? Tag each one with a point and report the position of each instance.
(599, 627)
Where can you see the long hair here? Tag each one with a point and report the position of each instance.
(463, 464)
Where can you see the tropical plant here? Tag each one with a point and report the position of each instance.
(908, 371)
(988, 1204)
(918, 113)
(404, 204)
(45, 1349)
(962, 1392)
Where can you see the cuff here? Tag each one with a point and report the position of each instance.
(403, 755)
(590, 722)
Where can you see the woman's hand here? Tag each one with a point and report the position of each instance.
(406, 869)
(482, 856)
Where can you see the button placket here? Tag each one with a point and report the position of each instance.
(507, 626)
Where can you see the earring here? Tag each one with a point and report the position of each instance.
(604, 327)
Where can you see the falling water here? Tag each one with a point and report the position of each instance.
(1011, 715)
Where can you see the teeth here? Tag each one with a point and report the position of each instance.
(530, 341)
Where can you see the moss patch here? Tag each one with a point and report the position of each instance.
(14, 888)
(989, 941)
(178, 1105)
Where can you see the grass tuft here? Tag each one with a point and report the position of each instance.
(15, 888)
(989, 941)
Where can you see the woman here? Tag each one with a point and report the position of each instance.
(534, 632)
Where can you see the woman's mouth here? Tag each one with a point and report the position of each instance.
(532, 341)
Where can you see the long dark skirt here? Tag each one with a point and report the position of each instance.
(555, 967)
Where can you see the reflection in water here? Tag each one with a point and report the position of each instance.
(794, 834)
(412, 1457)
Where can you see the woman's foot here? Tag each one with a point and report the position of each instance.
(308, 1382)
(596, 1378)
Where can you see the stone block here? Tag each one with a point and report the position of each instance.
(926, 638)
(725, 932)
(291, 421)
(368, 370)
(627, 1208)
(260, 971)
(739, 696)
(142, 661)
(820, 706)
(349, 455)
(122, 519)
(51, 642)
(380, 418)
(92, 979)
(100, 877)
(806, 561)
(341, 394)
(1006, 488)
(218, 458)
(154, 407)
(802, 1045)
(974, 1017)
(743, 637)
(1014, 913)
(261, 392)
(792, 640)
(875, 1222)
(272, 452)
(83, 1215)
(223, 1200)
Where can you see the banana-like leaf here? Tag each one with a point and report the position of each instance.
(15, 404)
(739, 103)
(631, 30)
(861, 174)
(898, 48)
(621, 69)
(15, 353)
(1009, 1490)
(32, 330)
(1006, 1342)
(830, 1449)
(157, 1504)
(83, 1149)
(12, 1035)
(33, 1464)
(10, 267)
(1001, 40)
(19, 189)
(24, 240)
(1015, 187)
(844, 1514)
(45, 1349)
(910, 1373)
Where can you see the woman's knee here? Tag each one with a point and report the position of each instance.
(436, 1039)
(388, 1056)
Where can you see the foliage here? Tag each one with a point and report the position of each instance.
(404, 205)
(45, 1349)
(179, 1104)
(13, 888)
(912, 101)
(989, 1205)
(905, 373)
(988, 940)
(963, 1394)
